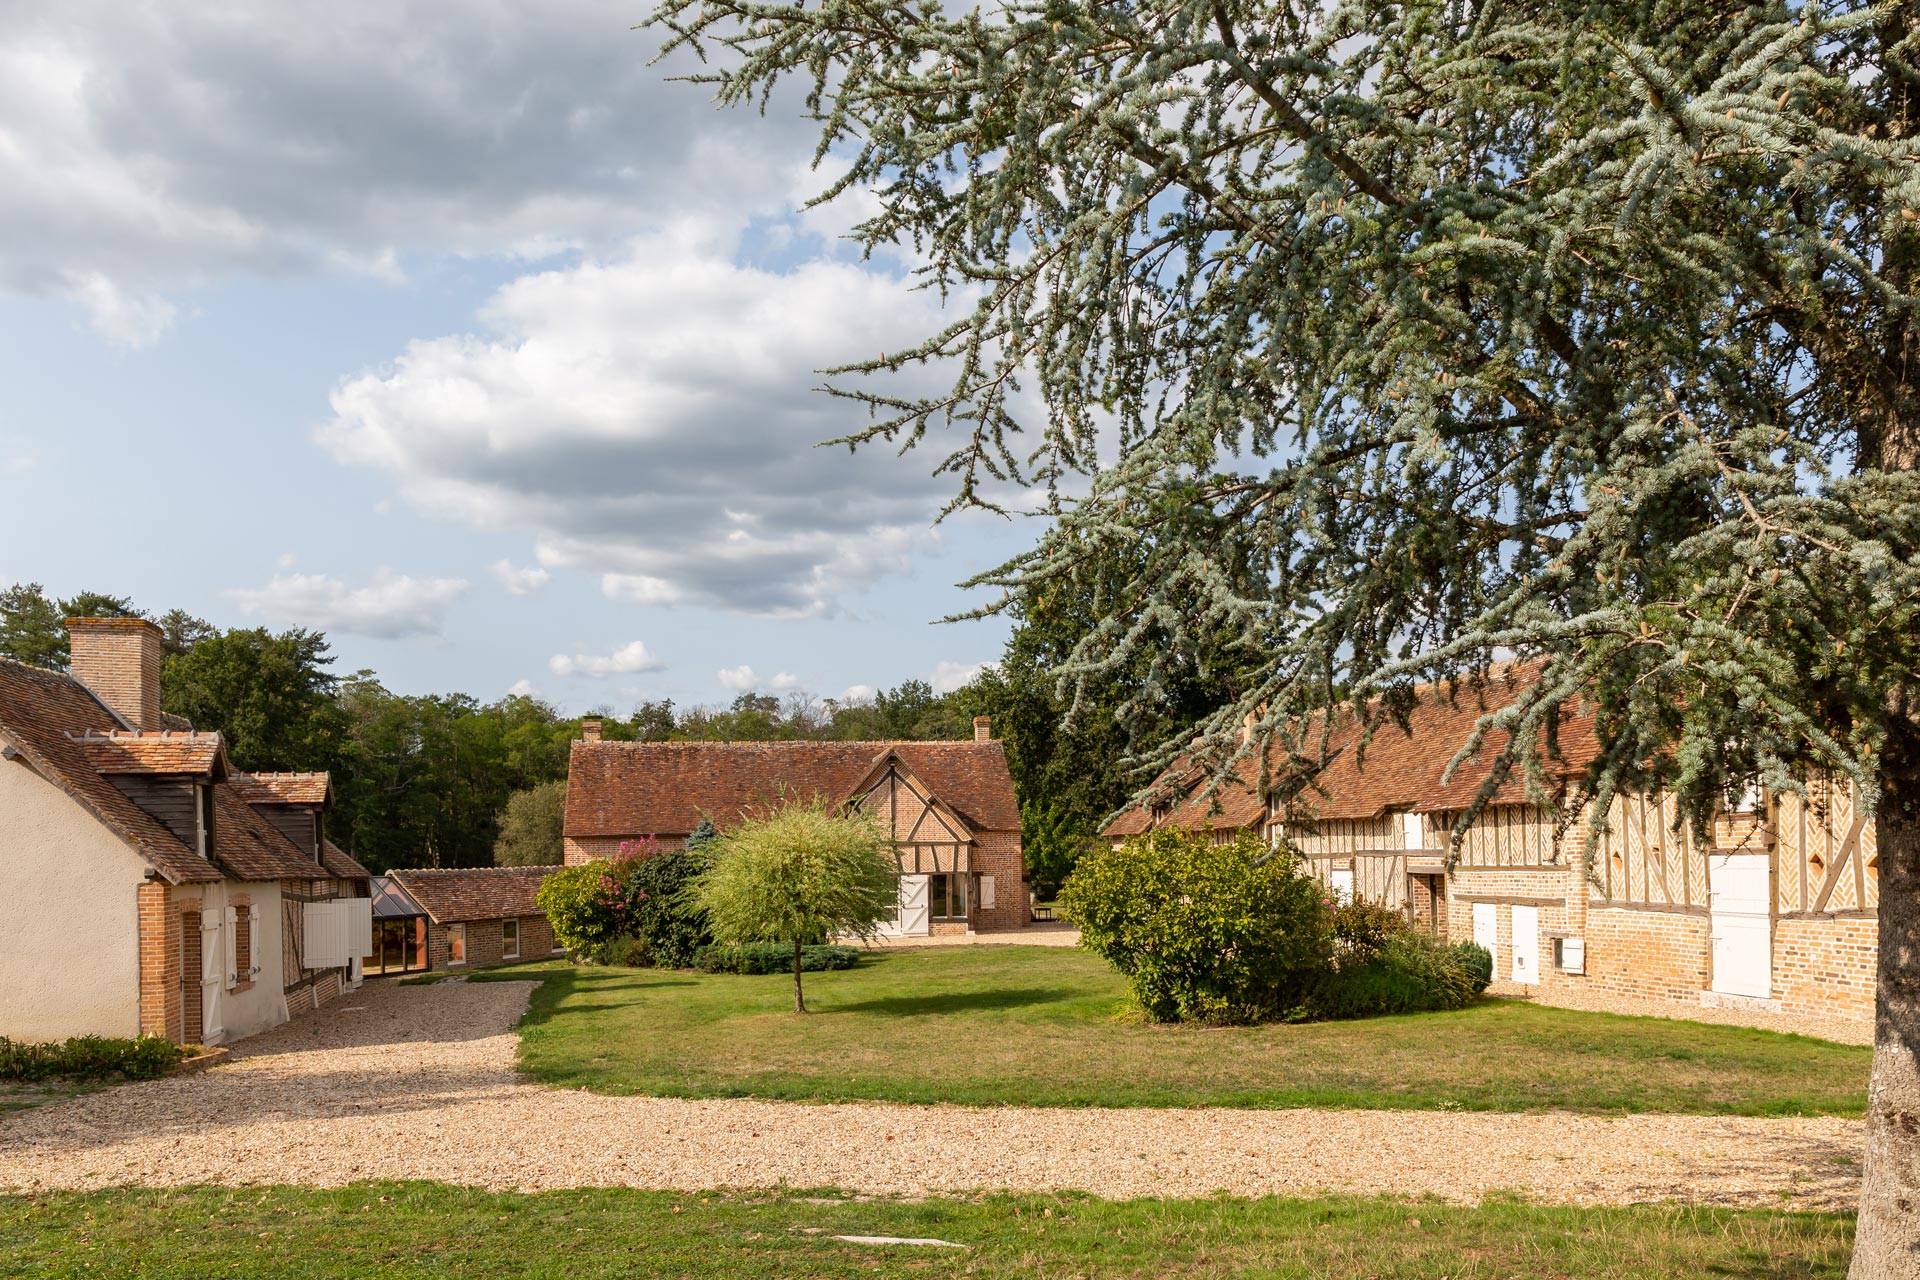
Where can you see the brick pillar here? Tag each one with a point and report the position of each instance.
(161, 1013)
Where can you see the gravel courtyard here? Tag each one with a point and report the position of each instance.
(418, 1082)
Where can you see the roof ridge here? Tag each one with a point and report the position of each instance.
(686, 743)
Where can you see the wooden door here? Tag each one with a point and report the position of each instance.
(914, 922)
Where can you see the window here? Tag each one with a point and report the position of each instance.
(509, 939)
(456, 944)
(947, 896)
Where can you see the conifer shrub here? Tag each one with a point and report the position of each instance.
(1204, 932)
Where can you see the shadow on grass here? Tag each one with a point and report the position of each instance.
(956, 1002)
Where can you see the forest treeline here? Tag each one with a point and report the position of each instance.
(446, 779)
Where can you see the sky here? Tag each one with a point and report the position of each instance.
(463, 334)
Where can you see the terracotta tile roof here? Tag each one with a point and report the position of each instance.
(165, 751)
(38, 711)
(284, 788)
(474, 893)
(1400, 768)
(1234, 804)
(341, 863)
(664, 788)
(251, 848)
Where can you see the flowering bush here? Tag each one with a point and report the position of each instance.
(1204, 932)
(635, 895)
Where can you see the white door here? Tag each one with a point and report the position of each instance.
(1740, 891)
(1526, 944)
(913, 906)
(1486, 926)
(1340, 880)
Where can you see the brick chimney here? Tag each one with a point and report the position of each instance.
(983, 728)
(590, 729)
(119, 660)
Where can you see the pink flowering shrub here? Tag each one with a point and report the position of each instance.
(634, 899)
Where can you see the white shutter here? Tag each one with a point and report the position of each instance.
(326, 930)
(359, 926)
(233, 946)
(253, 941)
(211, 963)
(986, 893)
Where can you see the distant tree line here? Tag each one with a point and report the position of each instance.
(448, 780)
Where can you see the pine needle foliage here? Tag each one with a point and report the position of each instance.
(1488, 329)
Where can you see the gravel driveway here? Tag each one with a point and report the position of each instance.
(417, 1082)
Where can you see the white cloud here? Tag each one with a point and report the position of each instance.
(517, 581)
(858, 693)
(522, 689)
(783, 681)
(948, 676)
(625, 660)
(389, 606)
(146, 149)
(128, 319)
(739, 679)
(650, 418)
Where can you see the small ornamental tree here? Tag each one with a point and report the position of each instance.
(797, 874)
(1204, 932)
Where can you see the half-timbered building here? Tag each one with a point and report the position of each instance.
(948, 806)
(1775, 907)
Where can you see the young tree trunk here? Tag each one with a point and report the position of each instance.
(1887, 1239)
(799, 1000)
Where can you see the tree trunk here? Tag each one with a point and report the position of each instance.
(1887, 1239)
(799, 1000)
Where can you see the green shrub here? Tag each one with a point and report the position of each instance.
(636, 898)
(1411, 973)
(1479, 964)
(89, 1058)
(1203, 932)
(773, 957)
(1361, 931)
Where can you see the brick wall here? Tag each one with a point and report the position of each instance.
(161, 1001)
(486, 943)
(998, 854)
(576, 853)
(1826, 965)
(1650, 955)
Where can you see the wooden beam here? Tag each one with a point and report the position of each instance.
(1847, 847)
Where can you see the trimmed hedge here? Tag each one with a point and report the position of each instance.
(89, 1058)
(773, 957)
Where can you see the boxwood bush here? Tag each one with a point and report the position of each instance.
(773, 957)
(89, 1058)
(1204, 932)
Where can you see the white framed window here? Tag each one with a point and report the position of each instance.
(456, 944)
(509, 939)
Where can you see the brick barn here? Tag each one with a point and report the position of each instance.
(455, 918)
(1775, 910)
(949, 807)
(152, 888)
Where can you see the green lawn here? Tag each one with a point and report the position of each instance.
(383, 1231)
(1039, 1026)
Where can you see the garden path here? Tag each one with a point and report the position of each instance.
(418, 1082)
